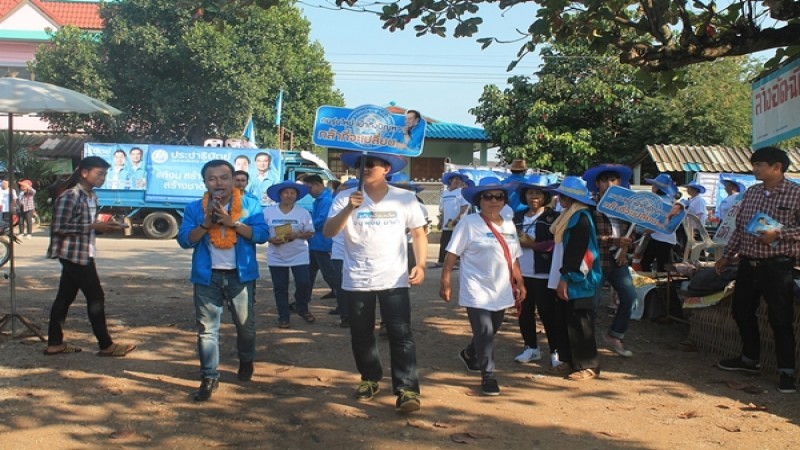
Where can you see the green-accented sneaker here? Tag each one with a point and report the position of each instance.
(407, 401)
(366, 390)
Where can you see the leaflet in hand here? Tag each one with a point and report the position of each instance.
(761, 223)
(282, 231)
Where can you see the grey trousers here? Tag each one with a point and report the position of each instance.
(485, 324)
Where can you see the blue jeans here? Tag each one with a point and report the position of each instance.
(396, 314)
(619, 277)
(321, 262)
(209, 301)
(280, 285)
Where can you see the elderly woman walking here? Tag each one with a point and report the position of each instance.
(490, 279)
(575, 275)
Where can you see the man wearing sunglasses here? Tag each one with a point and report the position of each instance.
(374, 223)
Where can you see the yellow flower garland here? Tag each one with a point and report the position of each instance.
(220, 235)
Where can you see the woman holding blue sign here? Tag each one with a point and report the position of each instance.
(659, 249)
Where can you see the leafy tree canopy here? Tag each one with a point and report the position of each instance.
(586, 109)
(179, 79)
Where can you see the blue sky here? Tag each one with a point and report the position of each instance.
(441, 77)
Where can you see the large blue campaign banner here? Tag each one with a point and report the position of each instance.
(128, 165)
(645, 209)
(172, 172)
(368, 128)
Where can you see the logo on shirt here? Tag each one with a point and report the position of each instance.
(376, 215)
(291, 221)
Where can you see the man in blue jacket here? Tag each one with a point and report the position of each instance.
(319, 246)
(223, 229)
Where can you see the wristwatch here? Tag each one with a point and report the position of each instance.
(236, 224)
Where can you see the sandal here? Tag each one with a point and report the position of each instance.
(582, 375)
(67, 349)
(308, 317)
(117, 350)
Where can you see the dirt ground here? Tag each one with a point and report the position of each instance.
(300, 396)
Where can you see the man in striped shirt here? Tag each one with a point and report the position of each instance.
(765, 265)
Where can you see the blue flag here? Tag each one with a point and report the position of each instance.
(249, 132)
(278, 108)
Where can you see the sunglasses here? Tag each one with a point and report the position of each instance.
(371, 163)
(498, 197)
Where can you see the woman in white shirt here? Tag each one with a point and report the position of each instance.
(695, 204)
(290, 227)
(490, 279)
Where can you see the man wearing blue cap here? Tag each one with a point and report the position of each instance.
(374, 224)
(452, 207)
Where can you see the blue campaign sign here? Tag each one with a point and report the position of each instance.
(368, 128)
(127, 171)
(641, 208)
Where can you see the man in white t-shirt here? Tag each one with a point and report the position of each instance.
(374, 224)
(5, 206)
(452, 207)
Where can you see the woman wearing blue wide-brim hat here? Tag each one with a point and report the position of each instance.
(575, 275)
(533, 225)
(696, 204)
(489, 276)
(290, 228)
(732, 188)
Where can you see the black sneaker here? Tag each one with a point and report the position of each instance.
(293, 307)
(470, 363)
(736, 364)
(207, 387)
(786, 384)
(407, 401)
(345, 323)
(489, 387)
(245, 370)
(366, 390)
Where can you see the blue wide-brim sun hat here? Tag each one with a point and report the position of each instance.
(471, 193)
(447, 176)
(693, 185)
(396, 163)
(664, 182)
(738, 184)
(575, 188)
(624, 172)
(537, 182)
(274, 191)
(400, 179)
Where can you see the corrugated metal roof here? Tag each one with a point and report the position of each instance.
(51, 145)
(709, 158)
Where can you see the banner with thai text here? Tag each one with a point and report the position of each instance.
(645, 209)
(776, 105)
(369, 128)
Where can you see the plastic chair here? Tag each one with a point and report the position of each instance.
(694, 247)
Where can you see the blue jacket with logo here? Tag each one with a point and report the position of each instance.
(246, 263)
(319, 214)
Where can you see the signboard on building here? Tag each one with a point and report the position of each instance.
(776, 105)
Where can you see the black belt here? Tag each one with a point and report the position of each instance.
(775, 260)
(224, 270)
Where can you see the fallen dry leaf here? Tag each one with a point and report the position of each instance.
(731, 428)
(736, 385)
(753, 407)
(442, 425)
(124, 433)
(688, 415)
(421, 424)
(462, 438)
(723, 407)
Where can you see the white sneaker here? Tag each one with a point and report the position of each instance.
(528, 354)
(28, 236)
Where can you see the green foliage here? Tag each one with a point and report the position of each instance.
(180, 76)
(582, 110)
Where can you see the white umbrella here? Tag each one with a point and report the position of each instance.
(19, 96)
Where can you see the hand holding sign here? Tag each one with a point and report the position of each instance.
(641, 208)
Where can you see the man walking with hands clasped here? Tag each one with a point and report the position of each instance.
(223, 229)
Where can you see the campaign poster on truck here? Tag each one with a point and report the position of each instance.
(171, 173)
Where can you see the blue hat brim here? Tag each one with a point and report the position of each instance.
(396, 163)
(522, 187)
(699, 187)
(583, 199)
(274, 191)
(409, 185)
(738, 184)
(625, 173)
(471, 193)
(449, 176)
(672, 189)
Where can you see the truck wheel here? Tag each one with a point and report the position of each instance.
(160, 225)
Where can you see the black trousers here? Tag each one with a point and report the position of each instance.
(443, 241)
(773, 281)
(544, 300)
(659, 251)
(576, 317)
(75, 277)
